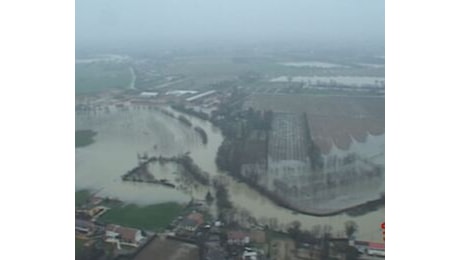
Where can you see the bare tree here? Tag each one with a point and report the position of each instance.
(350, 228)
(316, 231)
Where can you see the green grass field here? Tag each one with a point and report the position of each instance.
(99, 76)
(81, 196)
(84, 137)
(153, 217)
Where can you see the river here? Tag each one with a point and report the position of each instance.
(122, 134)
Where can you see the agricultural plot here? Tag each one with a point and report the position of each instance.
(152, 217)
(287, 139)
(348, 135)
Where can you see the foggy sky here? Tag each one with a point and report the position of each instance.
(188, 22)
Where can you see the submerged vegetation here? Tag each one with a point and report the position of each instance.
(193, 169)
(84, 137)
(99, 76)
(202, 133)
(140, 173)
(222, 198)
(191, 112)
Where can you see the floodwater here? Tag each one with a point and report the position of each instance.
(124, 134)
(316, 64)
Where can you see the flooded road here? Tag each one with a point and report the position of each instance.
(122, 135)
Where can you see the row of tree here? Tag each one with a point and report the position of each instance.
(320, 236)
(190, 167)
(191, 111)
(184, 120)
(223, 202)
(202, 133)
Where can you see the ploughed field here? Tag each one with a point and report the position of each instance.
(333, 120)
(326, 153)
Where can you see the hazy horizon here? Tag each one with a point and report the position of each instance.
(203, 23)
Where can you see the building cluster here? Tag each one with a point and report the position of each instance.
(88, 228)
(194, 102)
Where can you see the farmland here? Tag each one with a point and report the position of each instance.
(200, 71)
(325, 152)
(153, 217)
(334, 120)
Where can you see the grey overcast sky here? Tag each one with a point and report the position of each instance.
(235, 21)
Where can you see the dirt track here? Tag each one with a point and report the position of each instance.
(162, 248)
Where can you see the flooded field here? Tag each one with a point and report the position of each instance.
(346, 80)
(123, 134)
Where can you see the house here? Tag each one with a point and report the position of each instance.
(257, 236)
(148, 94)
(192, 222)
(181, 92)
(84, 226)
(190, 99)
(237, 238)
(123, 235)
(198, 217)
(189, 225)
(95, 211)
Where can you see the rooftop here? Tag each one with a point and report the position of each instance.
(125, 232)
(237, 235)
(84, 223)
(379, 246)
